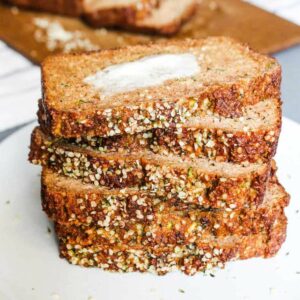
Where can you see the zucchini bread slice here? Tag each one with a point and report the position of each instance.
(142, 87)
(79, 249)
(210, 183)
(250, 138)
(130, 215)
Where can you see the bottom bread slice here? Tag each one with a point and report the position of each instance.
(192, 258)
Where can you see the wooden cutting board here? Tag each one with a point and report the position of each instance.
(262, 30)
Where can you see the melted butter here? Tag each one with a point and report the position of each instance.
(146, 72)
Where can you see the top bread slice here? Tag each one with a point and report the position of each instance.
(229, 76)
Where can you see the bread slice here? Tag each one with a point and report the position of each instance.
(66, 7)
(214, 184)
(70, 203)
(227, 77)
(79, 248)
(120, 12)
(251, 138)
(166, 18)
(155, 16)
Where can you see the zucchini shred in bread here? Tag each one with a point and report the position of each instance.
(150, 168)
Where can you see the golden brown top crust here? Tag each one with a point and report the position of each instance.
(222, 61)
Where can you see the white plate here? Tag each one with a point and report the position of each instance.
(31, 269)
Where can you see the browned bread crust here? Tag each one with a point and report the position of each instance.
(78, 248)
(66, 7)
(65, 112)
(121, 211)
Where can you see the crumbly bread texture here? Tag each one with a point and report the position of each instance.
(79, 248)
(119, 215)
(66, 7)
(251, 138)
(212, 184)
(165, 19)
(231, 77)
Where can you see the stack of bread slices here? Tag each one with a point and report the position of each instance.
(159, 16)
(159, 157)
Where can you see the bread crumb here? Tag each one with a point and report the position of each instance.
(55, 36)
(14, 10)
